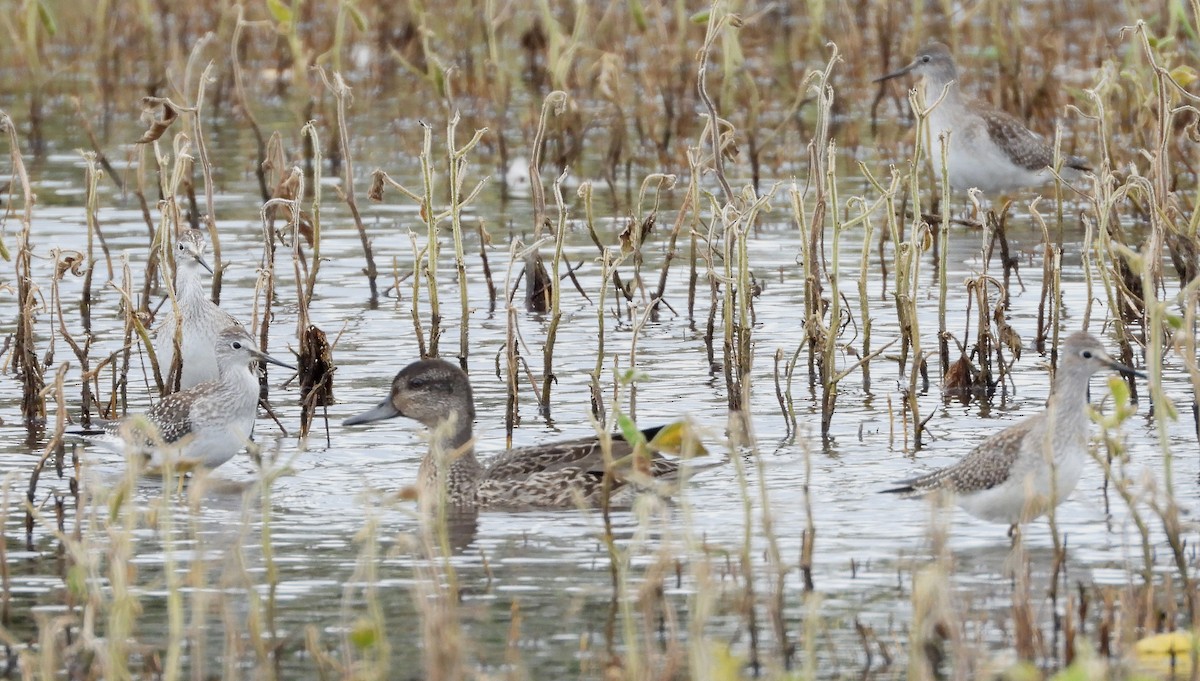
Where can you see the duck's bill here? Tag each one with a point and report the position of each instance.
(381, 411)
(896, 74)
(264, 357)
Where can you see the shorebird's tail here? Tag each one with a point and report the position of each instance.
(905, 490)
(1077, 163)
(916, 487)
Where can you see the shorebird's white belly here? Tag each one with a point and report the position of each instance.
(1027, 494)
(974, 160)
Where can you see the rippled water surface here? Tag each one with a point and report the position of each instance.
(546, 574)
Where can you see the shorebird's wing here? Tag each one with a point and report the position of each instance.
(988, 465)
(171, 416)
(1025, 147)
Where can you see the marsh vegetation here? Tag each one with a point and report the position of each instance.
(609, 214)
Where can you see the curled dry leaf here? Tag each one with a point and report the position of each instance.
(626, 236)
(961, 380)
(70, 261)
(1008, 335)
(158, 126)
(375, 193)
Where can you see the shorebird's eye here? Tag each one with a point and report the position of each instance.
(1086, 354)
(182, 246)
(925, 59)
(236, 345)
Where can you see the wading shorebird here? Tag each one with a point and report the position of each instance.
(989, 149)
(1015, 475)
(202, 319)
(557, 475)
(199, 427)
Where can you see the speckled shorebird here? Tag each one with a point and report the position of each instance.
(989, 149)
(202, 318)
(1007, 478)
(558, 475)
(202, 426)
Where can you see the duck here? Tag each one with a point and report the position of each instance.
(558, 475)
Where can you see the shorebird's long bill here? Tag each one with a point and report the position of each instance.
(381, 411)
(264, 357)
(204, 264)
(896, 74)
(1129, 371)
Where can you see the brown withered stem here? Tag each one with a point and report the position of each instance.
(239, 89)
(25, 360)
(341, 93)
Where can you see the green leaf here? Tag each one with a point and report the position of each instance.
(47, 18)
(77, 582)
(1183, 75)
(638, 12)
(700, 17)
(629, 429)
(364, 635)
(360, 21)
(1119, 389)
(678, 438)
(281, 12)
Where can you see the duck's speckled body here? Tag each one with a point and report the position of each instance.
(557, 475)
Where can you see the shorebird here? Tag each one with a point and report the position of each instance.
(989, 149)
(199, 427)
(202, 318)
(1017, 474)
(557, 475)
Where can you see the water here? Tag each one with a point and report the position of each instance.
(552, 567)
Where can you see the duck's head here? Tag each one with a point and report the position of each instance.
(430, 391)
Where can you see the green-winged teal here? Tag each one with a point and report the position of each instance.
(556, 475)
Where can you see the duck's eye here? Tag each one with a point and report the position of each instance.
(416, 383)
(1086, 354)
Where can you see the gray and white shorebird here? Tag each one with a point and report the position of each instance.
(199, 427)
(1015, 475)
(556, 475)
(202, 319)
(989, 149)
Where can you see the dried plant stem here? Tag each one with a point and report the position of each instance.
(341, 93)
(25, 360)
(560, 237)
(457, 162)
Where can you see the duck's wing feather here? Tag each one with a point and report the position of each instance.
(583, 454)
